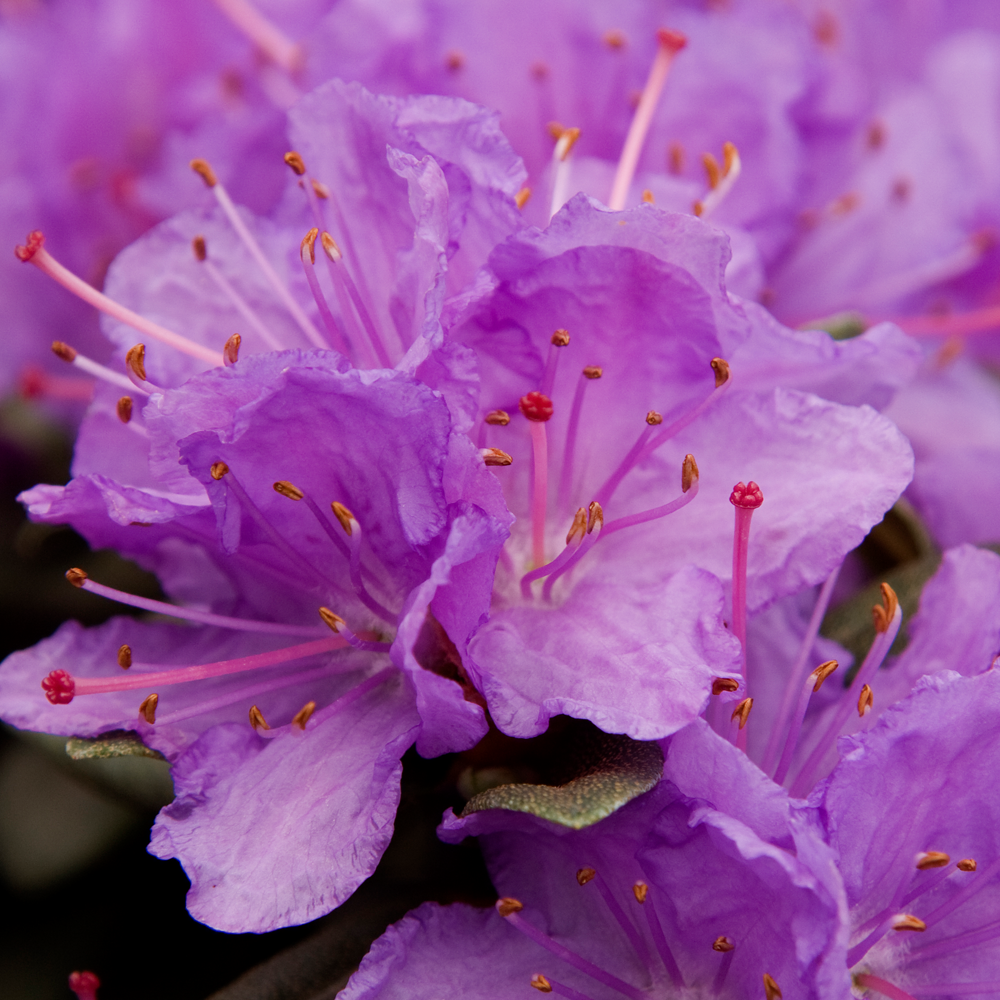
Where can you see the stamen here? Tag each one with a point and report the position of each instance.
(958, 942)
(338, 625)
(908, 922)
(771, 988)
(307, 254)
(545, 985)
(574, 538)
(726, 946)
(595, 529)
(966, 865)
(354, 534)
(880, 985)
(135, 366)
(231, 350)
(896, 922)
(45, 262)
(956, 989)
(723, 944)
(66, 353)
(303, 715)
(79, 578)
(495, 457)
(124, 409)
(273, 42)
(721, 684)
(558, 339)
(640, 890)
(746, 498)
(808, 641)
(927, 884)
(742, 712)
(84, 985)
(521, 198)
(865, 701)
(257, 719)
(589, 374)
(125, 656)
(963, 895)
(647, 197)
(510, 909)
(148, 707)
(720, 182)
(497, 418)
(240, 304)
(812, 685)
(891, 617)
(565, 141)
(585, 875)
(202, 168)
(689, 487)
(334, 258)
(670, 43)
(537, 407)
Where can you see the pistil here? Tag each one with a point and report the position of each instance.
(537, 408)
(746, 498)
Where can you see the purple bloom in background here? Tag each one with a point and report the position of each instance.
(911, 810)
(712, 884)
(598, 417)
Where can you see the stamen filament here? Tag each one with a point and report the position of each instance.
(539, 489)
(808, 688)
(585, 546)
(565, 141)
(959, 324)
(956, 989)
(562, 990)
(670, 43)
(634, 937)
(877, 653)
(572, 958)
(653, 513)
(81, 361)
(947, 946)
(979, 881)
(566, 477)
(306, 255)
(558, 340)
(46, 263)
(551, 567)
(354, 541)
(715, 197)
(927, 883)
(723, 971)
(880, 985)
(660, 940)
(273, 42)
(242, 306)
(192, 615)
(798, 671)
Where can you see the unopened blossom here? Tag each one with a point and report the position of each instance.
(716, 886)
(602, 345)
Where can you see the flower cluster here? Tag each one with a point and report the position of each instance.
(491, 415)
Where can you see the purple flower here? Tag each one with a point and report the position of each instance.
(625, 628)
(712, 885)
(911, 810)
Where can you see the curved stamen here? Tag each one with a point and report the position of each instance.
(585, 875)
(721, 181)
(641, 893)
(307, 254)
(589, 374)
(565, 141)
(271, 40)
(653, 513)
(335, 622)
(66, 353)
(353, 529)
(975, 885)
(575, 537)
(558, 339)
(669, 44)
(812, 684)
(45, 262)
(595, 525)
(927, 952)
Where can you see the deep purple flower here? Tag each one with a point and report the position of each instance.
(911, 810)
(624, 629)
(712, 884)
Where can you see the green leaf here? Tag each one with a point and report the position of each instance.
(608, 771)
(120, 743)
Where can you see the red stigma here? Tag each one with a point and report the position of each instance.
(84, 984)
(34, 244)
(59, 688)
(31, 382)
(671, 39)
(746, 495)
(536, 406)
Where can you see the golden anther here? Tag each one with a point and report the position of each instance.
(653, 418)
(614, 39)
(566, 142)
(595, 516)
(907, 922)
(330, 247)
(821, 673)
(125, 656)
(495, 456)
(640, 890)
(689, 473)
(342, 514)
(584, 875)
(730, 156)
(967, 865)
(508, 905)
(541, 983)
(522, 196)
(124, 409)
(713, 170)
(257, 719)
(136, 360)
(884, 614)
(555, 129)
(771, 989)
(722, 943)
(287, 489)
(320, 189)
(63, 351)
(331, 619)
(303, 715)
(675, 158)
(698, 207)
(742, 711)
(76, 576)
(309, 244)
(647, 197)
(720, 684)
(579, 526)
(931, 859)
(593, 371)
(865, 700)
(231, 349)
(497, 418)
(205, 172)
(560, 338)
(295, 162)
(218, 470)
(148, 708)
(454, 61)
(200, 248)
(721, 368)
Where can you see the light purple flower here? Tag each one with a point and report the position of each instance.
(736, 888)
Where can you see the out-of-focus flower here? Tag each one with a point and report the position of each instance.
(712, 884)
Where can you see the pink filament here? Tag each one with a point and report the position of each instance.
(630, 520)
(555, 566)
(641, 121)
(202, 617)
(720, 976)
(45, 262)
(923, 953)
(877, 983)
(793, 733)
(660, 940)
(34, 382)
(634, 937)
(241, 306)
(273, 42)
(180, 675)
(562, 990)
(960, 324)
(978, 882)
(329, 321)
(955, 989)
(539, 489)
(566, 478)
